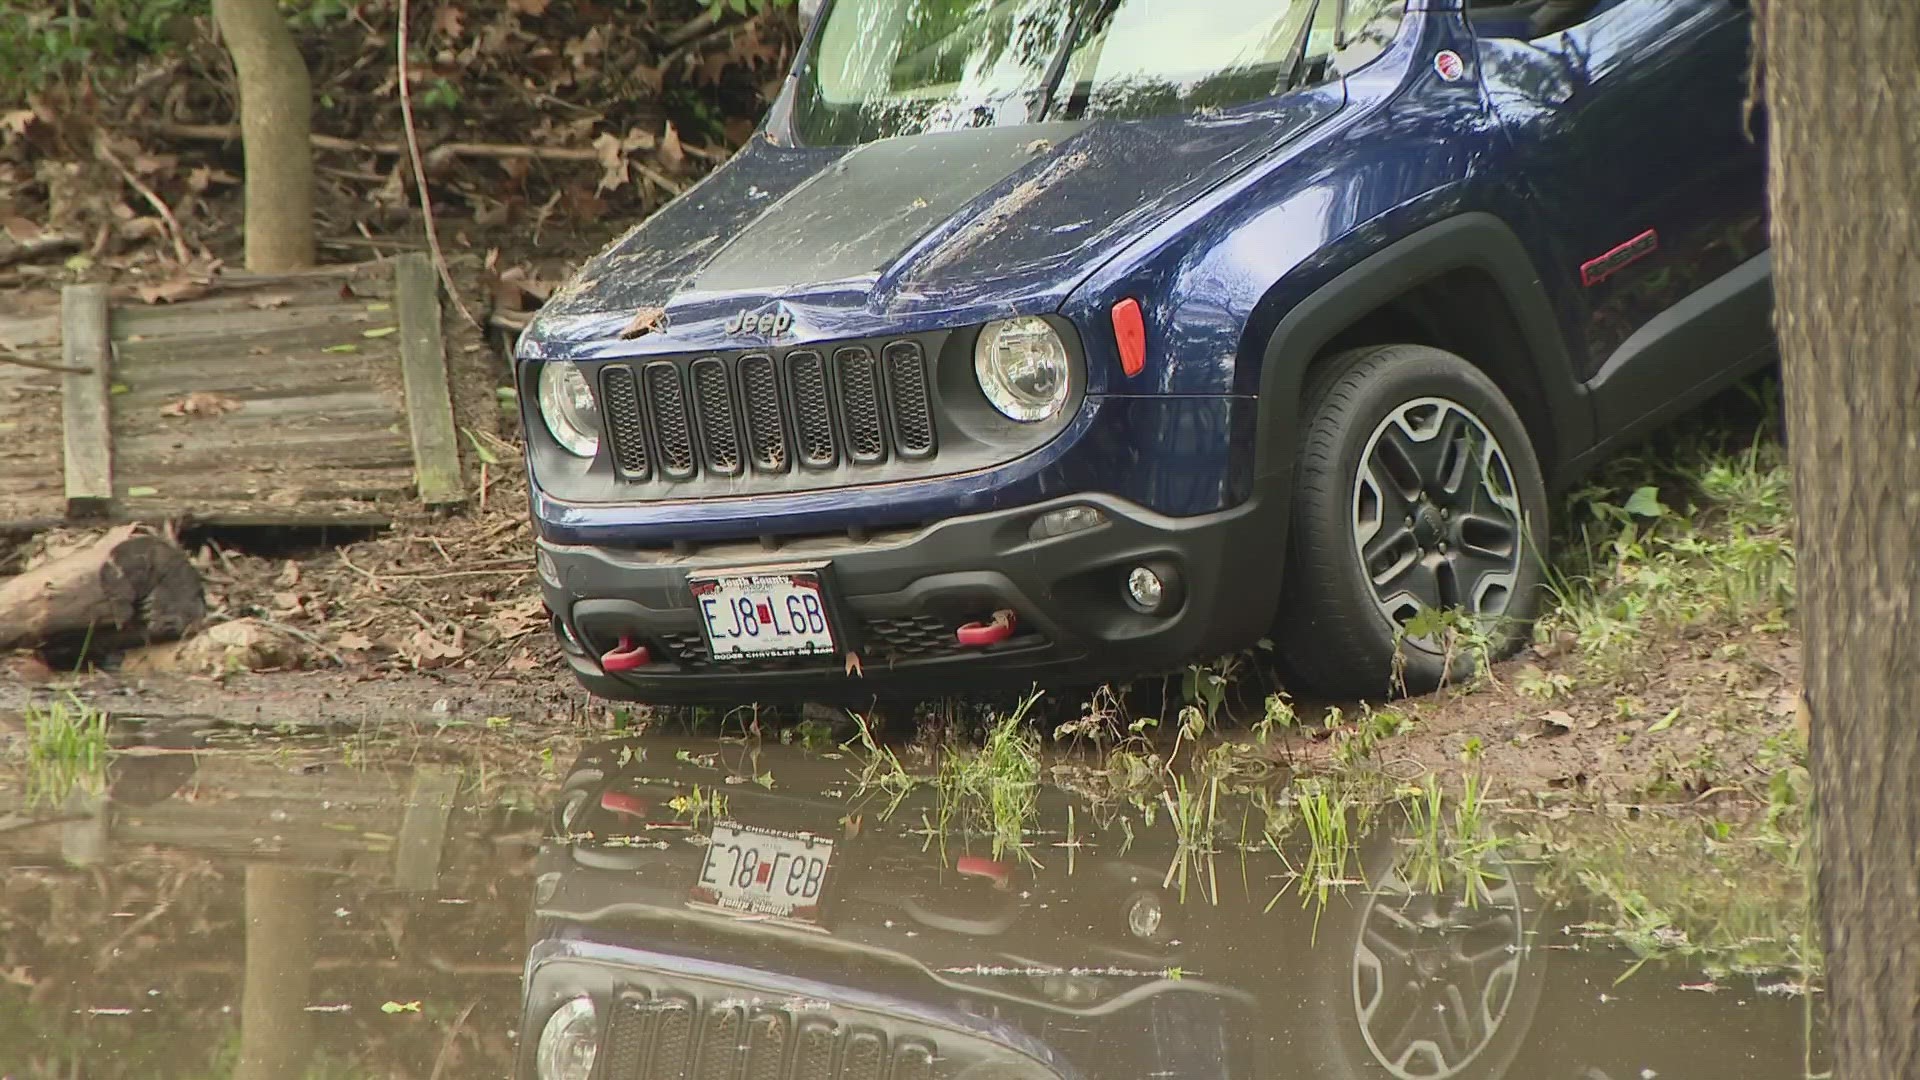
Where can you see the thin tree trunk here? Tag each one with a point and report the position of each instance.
(1843, 94)
(275, 1038)
(276, 117)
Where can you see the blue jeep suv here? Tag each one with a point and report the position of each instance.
(1060, 341)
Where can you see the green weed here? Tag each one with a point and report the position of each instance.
(1635, 564)
(66, 750)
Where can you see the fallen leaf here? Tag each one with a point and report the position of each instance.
(534, 8)
(450, 21)
(341, 348)
(672, 155)
(644, 322)
(380, 331)
(200, 403)
(853, 665)
(17, 121)
(1558, 721)
(270, 301)
(141, 492)
(353, 642)
(392, 1007)
(1664, 722)
(424, 650)
(171, 291)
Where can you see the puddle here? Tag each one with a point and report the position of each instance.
(668, 908)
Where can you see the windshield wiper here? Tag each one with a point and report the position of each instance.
(1298, 70)
(1057, 67)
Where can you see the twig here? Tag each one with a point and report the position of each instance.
(692, 28)
(12, 355)
(420, 174)
(440, 1059)
(106, 154)
(485, 482)
(39, 247)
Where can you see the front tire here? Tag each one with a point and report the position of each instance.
(1417, 490)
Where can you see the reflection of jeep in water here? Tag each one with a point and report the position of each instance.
(932, 960)
(1064, 340)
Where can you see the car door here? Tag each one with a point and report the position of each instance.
(1628, 126)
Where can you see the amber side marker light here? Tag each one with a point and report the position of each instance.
(1130, 333)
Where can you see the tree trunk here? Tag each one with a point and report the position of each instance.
(276, 118)
(275, 1037)
(1843, 92)
(128, 588)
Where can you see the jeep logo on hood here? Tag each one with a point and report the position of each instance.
(771, 323)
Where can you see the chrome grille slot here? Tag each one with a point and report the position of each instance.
(766, 426)
(719, 421)
(859, 379)
(812, 408)
(767, 1039)
(720, 1043)
(866, 1057)
(667, 402)
(908, 400)
(745, 420)
(626, 423)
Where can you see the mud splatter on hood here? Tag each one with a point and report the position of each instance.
(948, 221)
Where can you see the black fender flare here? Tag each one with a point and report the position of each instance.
(1472, 240)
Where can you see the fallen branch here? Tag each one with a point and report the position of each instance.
(11, 355)
(420, 174)
(106, 154)
(434, 157)
(38, 248)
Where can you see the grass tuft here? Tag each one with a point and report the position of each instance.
(66, 750)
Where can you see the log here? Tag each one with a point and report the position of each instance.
(129, 587)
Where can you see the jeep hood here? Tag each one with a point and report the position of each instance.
(958, 223)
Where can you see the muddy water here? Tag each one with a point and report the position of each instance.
(668, 909)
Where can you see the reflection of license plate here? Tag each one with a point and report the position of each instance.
(763, 614)
(763, 872)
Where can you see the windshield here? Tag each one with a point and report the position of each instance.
(899, 67)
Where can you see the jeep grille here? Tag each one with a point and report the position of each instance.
(814, 409)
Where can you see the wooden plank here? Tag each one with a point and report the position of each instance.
(423, 829)
(87, 429)
(423, 370)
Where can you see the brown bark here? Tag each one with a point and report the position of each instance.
(276, 119)
(129, 587)
(1842, 91)
(275, 1037)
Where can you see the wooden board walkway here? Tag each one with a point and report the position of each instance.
(308, 401)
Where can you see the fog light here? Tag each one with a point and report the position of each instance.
(569, 1042)
(1145, 589)
(1067, 519)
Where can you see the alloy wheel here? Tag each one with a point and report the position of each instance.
(1436, 521)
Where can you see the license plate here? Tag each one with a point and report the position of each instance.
(764, 872)
(750, 615)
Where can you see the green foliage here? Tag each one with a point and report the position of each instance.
(66, 750)
(1635, 563)
(41, 43)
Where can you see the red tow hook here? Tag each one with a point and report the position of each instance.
(977, 634)
(626, 656)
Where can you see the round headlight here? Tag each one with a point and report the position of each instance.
(566, 404)
(1023, 368)
(568, 1042)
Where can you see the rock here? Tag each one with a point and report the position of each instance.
(240, 645)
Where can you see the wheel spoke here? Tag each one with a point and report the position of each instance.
(1456, 459)
(1400, 463)
(1416, 585)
